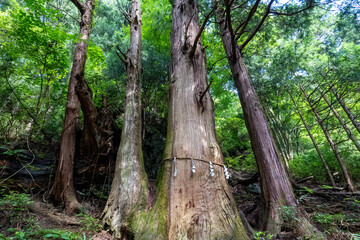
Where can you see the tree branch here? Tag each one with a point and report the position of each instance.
(240, 6)
(64, 12)
(231, 30)
(213, 65)
(125, 56)
(203, 94)
(241, 47)
(192, 52)
(252, 12)
(120, 57)
(79, 5)
(293, 13)
(126, 15)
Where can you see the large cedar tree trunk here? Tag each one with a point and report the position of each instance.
(276, 191)
(128, 196)
(63, 188)
(192, 205)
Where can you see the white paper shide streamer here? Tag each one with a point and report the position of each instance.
(226, 172)
(175, 172)
(192, 165)
(211, 169)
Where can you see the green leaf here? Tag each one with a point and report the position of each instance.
(51, 235)
(308, 190)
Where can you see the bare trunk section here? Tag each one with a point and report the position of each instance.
(63, 188)
(91, 135)
(343, 124)
(314, 142)
(194, 205)
(128, 196)
(276, 191)
(346, 109)
(331, 142)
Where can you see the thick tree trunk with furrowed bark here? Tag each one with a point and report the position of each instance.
(63, 188)
(192, 205)
(276, 191)
(128, 196)
(331, 142)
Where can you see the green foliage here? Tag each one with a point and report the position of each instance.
(308, 190)
(33, 65)
(309, 164)
(90, 224)
(245, 162)
(233, 162)
(59, 234)
(16, 201)
(23, 225)
(16, 207)
(11, 152)
(41, 233)
(288, 214)
(262, 236)
(327, 220)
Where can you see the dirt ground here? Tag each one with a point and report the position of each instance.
(336, 214)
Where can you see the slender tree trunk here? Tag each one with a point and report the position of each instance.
(343, 124)
(346, 109)
(276, 190)
(314, 142)
(192, 205)
(280, 139)
(129, 193)
(331, 142)
(63, 188)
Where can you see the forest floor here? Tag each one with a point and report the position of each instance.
(336, 215)
(25, 213)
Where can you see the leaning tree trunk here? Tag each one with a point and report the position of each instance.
(280, 138)
(192, 203)
(63, 188)
(343, 123)
(331, 142)
(276, 191)
(346, 109)
(314, 143)
(128, 194)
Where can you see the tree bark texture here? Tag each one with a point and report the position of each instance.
(276, 191)
(128, 196)
(343, 123)
(63, 188)
(331, 142)
(346, 109)
(195, 205)
(314, 143)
